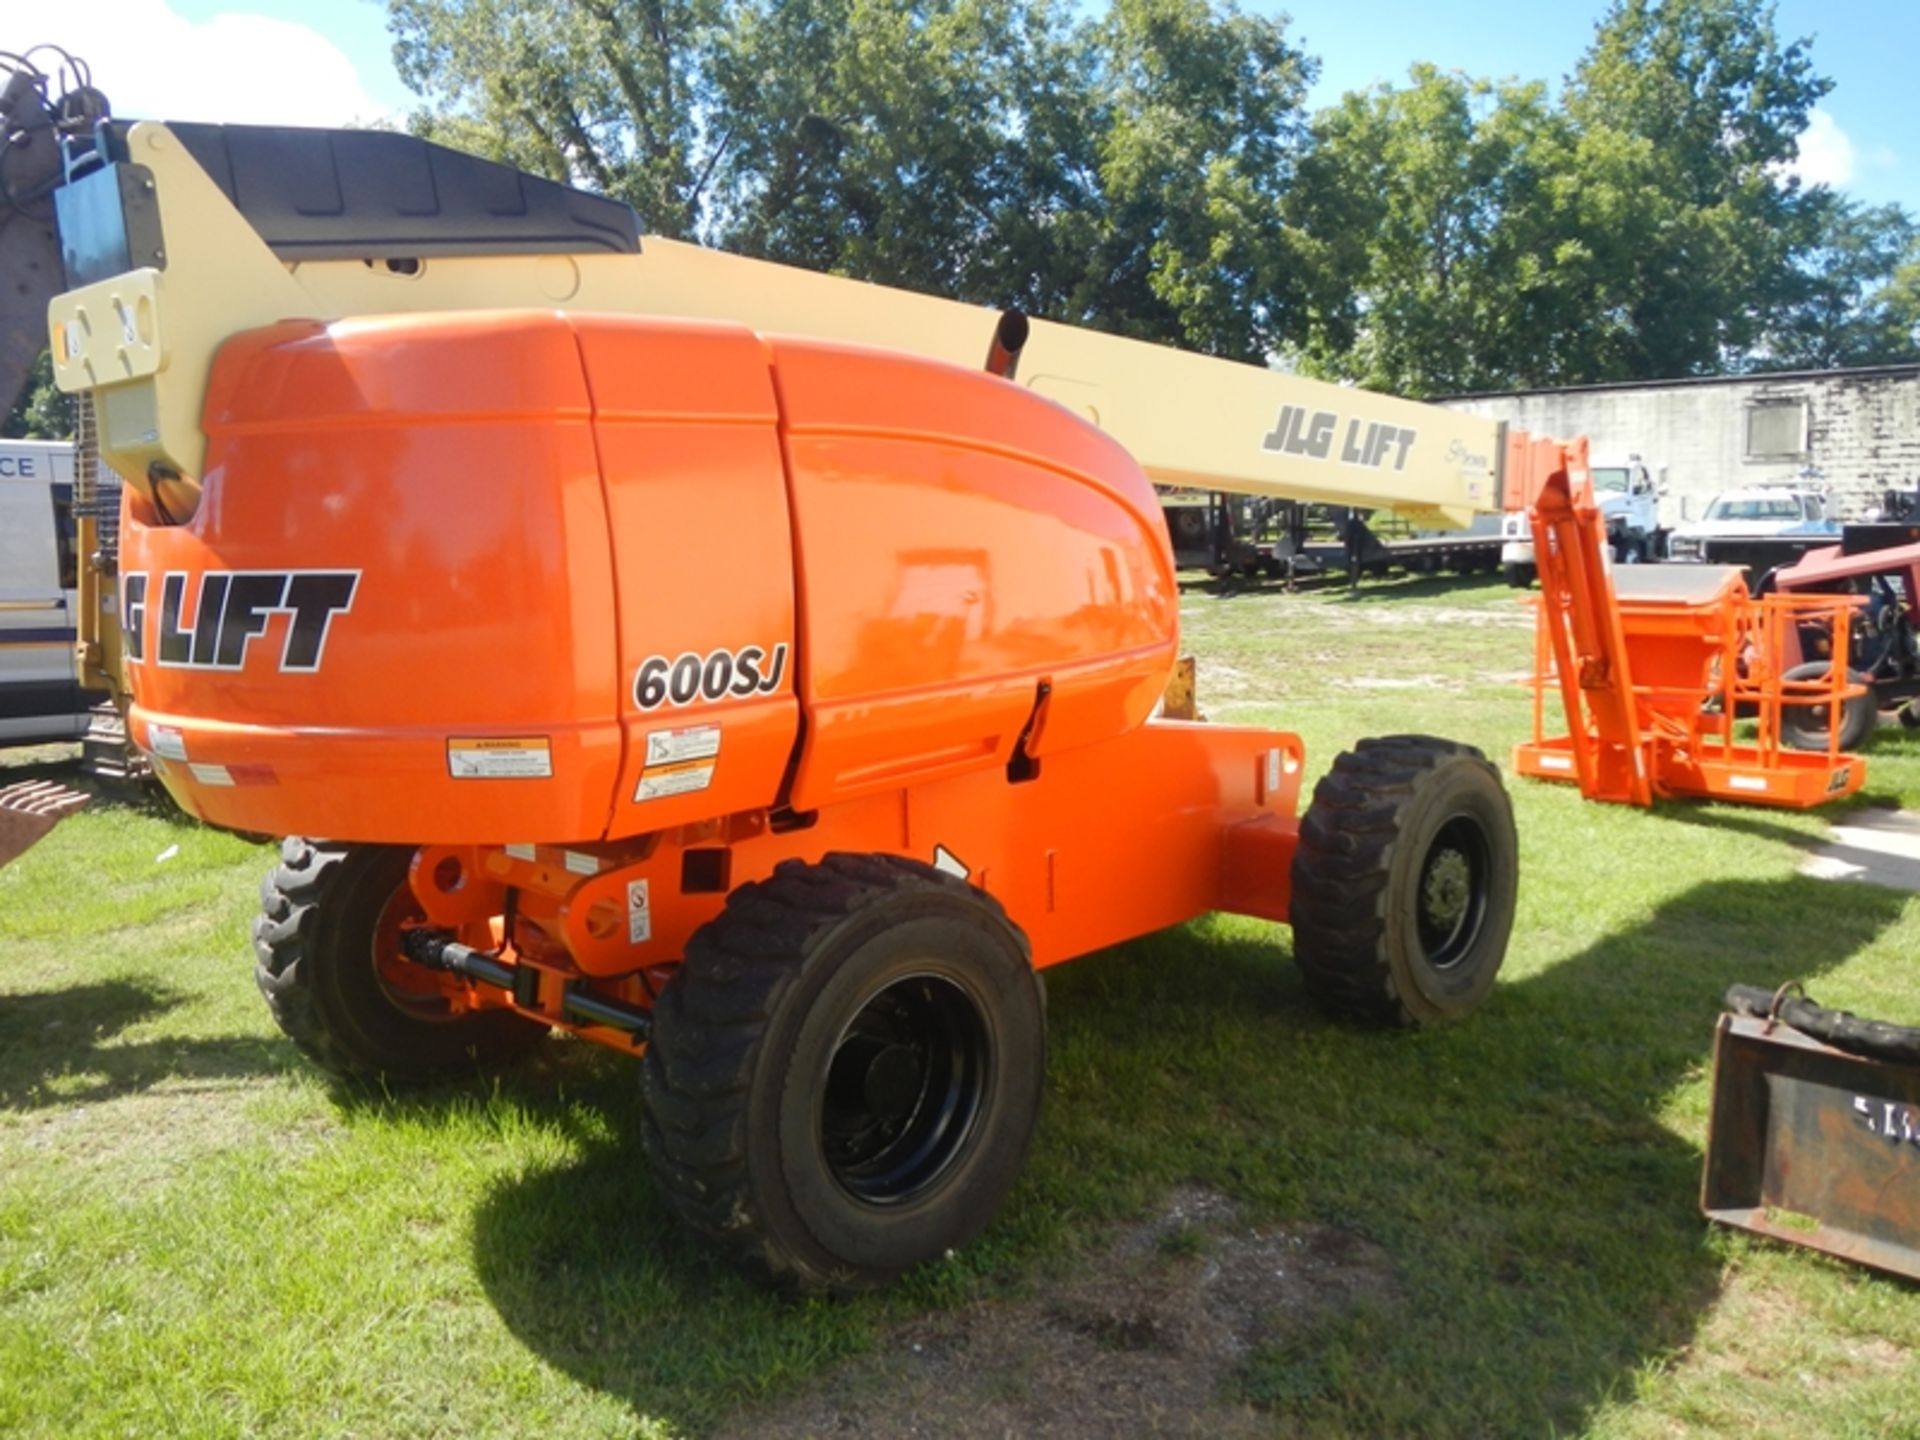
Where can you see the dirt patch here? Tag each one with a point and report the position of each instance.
(146, 1136)
(1400, 682)
(1517, 617)
(1739, 1337)
(1144, 1340)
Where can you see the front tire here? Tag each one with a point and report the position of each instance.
(844, 1074)
(327, 959)
(1518, 576)
(1404, 882)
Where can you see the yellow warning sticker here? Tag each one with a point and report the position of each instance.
(517, 758)
(660, 781)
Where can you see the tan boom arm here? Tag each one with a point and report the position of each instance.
(144, 342)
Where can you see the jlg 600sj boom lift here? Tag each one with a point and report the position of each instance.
(726, 663)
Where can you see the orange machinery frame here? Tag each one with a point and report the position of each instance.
(914, 634)
(1655, 665)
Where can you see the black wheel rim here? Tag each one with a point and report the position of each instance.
(905, 1089)
(1451, 899)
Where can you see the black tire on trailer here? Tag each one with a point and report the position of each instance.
(1805, 727)
(1518, 576)
(844, 1074)
(1404, 882)
(330, 920)
(1191, 526)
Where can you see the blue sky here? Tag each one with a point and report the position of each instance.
(328, 61)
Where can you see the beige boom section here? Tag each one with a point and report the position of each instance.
(143, 343)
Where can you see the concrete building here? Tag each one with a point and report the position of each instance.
(1857, 431)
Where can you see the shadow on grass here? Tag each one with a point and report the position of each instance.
(59, 1047)
(1540, 1215)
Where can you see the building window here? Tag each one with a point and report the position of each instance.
(1777, 430)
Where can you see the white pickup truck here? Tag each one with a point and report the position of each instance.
(41, 698)
(1758, 526)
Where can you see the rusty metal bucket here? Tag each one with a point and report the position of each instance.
(1814, 1145)
(30, 809)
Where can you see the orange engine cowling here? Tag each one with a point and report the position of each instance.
(498, 578)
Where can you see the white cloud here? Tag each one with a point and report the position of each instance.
(1827, 154)
(234, 68)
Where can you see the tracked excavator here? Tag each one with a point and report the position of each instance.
(750, 670)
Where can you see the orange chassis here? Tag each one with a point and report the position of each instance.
(669, 603)
(1106, 843)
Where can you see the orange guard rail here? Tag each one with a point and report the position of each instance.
(1657, 665)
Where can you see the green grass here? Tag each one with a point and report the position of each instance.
(199, 1236)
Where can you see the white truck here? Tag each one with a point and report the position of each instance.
(1758, 526)
(41, 697)
(1628, 493)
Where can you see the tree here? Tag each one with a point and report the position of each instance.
(1431, 224)
(1687, 113)
(1463, 235)
(1849, 304)
(42, 412)
(608, 93)
(883, 140)
(1198, 121)
(1122, 170)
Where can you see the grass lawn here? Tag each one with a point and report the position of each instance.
(200, 1236)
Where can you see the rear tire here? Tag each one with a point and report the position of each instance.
(844, 1074)
(329, 916)
(1404, 882)
(1805, 727)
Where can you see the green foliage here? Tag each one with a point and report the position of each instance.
(1856, 298)
(1148, 167)
(609, 93)
(1123, 171)
(41, 412)
(1465, 235)
(1434, 220)
(1686, 112)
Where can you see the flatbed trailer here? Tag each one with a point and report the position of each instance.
(1475, 551)
(1231, 534)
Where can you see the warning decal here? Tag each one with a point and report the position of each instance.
(167, 741)
(679, 761)
(692, 742)
(505, 759)
(665, 780)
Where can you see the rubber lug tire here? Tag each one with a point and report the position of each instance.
(1357, 872)
(313, 948)
(1859, 717)
(743, 1034)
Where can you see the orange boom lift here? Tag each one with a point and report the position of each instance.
(668, 667)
